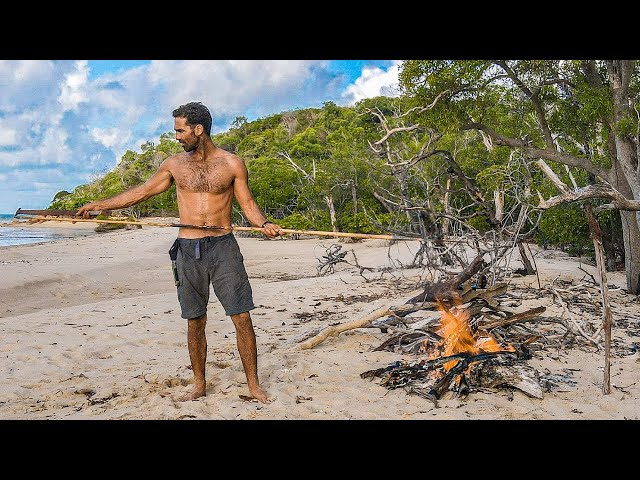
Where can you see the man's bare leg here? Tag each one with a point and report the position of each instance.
(197, 342)
(246, 342)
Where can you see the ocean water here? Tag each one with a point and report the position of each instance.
(10, 235)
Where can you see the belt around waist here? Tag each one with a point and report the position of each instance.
(211, 238)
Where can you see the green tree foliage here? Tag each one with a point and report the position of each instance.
(61, 194)
(273, 184)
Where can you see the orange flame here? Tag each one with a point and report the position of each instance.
(457, 336)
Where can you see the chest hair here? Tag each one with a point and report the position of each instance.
(208, 177)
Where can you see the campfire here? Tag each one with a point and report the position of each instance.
(457, 354)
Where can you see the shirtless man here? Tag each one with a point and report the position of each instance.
(207, 179)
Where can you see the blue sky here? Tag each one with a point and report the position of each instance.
(64, 123)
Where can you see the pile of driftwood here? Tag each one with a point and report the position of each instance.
(468, 336)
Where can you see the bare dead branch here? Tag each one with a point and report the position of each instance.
(294, 164)
(596, 191)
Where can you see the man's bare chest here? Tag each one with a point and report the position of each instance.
(207, 177)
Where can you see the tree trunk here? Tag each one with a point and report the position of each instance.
(607, 322)
(630, 233)
(631, 236)
(498, 200)
(332, 212)
(354, 196)
(447, 208)
(625, 165)
(609, 251)
(383, 202)
(609, 244)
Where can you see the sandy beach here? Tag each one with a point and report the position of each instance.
(90, 328)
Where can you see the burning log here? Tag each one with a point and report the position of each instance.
(411, 340)
(398, 314)
(455, 378)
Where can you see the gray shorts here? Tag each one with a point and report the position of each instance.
(215, 261)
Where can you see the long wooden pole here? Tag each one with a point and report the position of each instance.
(283, 231)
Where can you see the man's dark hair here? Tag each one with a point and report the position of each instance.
(195, 113)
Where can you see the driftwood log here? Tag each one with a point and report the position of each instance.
(337, 329)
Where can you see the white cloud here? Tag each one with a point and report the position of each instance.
(13, 159)
(8, 137)
(109, 137)
(73, 89)
(227, 87)
(53, 149)
(29, 71)
(374, 82)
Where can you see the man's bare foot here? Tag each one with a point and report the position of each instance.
(259, 394)
(192, 396)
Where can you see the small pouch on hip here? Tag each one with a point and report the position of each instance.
(173, 254)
